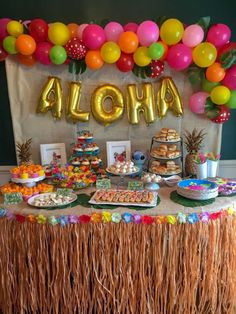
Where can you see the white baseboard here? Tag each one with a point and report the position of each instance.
(227, 169)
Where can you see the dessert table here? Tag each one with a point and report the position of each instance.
(165, 259)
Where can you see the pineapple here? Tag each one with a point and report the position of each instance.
(24, 152)
(193, 142)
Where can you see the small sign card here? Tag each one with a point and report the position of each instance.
(135, 185)
(12, 198)
(102, 184)
(64, 192)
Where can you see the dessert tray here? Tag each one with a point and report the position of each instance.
(197, 189)
(124, 198)
(122, 174)
(166, 141)
(48, 200)
(165, 158)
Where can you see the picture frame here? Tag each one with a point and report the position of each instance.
(54, 153)
(118, 151)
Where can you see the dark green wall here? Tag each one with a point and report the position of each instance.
(80, 11)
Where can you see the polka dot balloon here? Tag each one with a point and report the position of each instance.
(157, 68)
(75, 48)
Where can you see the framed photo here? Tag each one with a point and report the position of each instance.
(53, 153)
(118, 151)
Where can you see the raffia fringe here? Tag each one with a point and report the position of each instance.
(124, 268)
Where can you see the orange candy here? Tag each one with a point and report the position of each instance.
(215, 72)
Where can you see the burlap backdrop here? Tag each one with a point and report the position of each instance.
(25, 85)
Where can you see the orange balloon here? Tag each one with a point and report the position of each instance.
(215, 72)
(166, 50)
(128, 42)
(93, 59)
(73, 29)
(25, 44)
(26, 60)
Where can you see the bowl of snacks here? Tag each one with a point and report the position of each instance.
(173, 180)
(151, 181)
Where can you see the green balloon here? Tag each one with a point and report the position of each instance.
(207, 86)
(9, 44)
(232, 101)
(156, 51)
(57, 54)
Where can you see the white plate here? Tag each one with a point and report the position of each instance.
(122, 174)
(154, 202)
(165, 158)
(29, 180)
(171, 141)
(166, 174)
(31, 200)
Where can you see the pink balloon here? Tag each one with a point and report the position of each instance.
(42, 52)
(3, 28)
(230, 78)
(113, 31)
(81, 30)
(131, 27)
(148, 33)
(94, 36)
(197, 102)
(179, 57)
(193, 35)
(219, 35)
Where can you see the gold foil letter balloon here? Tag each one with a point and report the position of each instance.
(72, 111)
(51, 97)
(98, 98)
(168, 98)
(143, 103)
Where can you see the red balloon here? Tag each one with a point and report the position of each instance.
(3, 28)
(42, 52)
(223, 115)
(125, 62)
(38, 29)
(75, 48)
(225, 48)
(26, 60)
(3, 53)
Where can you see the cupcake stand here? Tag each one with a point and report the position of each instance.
(30, 182)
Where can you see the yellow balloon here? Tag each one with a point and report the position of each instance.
(110, 52)
(168, 98)
(72, 111)
(51, 97)
(220, 95)
(58, 33)
(137, 104)
(171, 31)
(141, 57)
(15, 28)
(98, 98)
(204, 54)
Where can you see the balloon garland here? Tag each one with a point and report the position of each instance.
(143, 49)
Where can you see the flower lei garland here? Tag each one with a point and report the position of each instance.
(107, 217)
